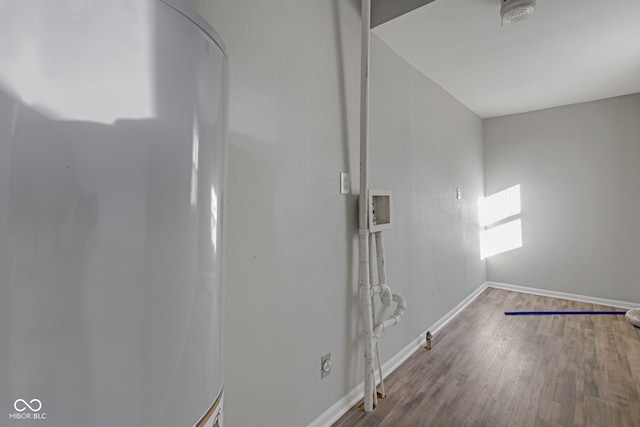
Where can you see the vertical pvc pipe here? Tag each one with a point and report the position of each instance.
(364, 285)
(382, 392)
(382, 273)
(373, 318)
(371, 267)
(382, 280)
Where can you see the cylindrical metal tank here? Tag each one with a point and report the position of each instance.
(112, 123)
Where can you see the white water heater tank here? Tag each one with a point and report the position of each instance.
(112, 124)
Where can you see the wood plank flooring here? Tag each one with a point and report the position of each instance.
(488, 369)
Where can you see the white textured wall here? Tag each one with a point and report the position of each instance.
(291, 292)
(424, 145)
(579, 170)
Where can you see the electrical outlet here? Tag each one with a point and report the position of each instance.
(325, 365)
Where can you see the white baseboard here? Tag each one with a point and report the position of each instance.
(563, 295)
(339, 408)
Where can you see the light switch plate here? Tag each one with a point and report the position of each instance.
(345, 185)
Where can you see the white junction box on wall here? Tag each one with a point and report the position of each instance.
(379, 210)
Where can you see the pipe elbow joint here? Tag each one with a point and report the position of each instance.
(401, 303)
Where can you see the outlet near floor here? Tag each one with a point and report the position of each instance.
(325, 365)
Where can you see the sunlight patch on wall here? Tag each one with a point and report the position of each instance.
(499, 206)
(501, 238)
(502, 230)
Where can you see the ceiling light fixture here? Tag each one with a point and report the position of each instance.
(516, 10)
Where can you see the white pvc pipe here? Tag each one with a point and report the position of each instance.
(363, 241)
(384, 296)
(385, 293)
(366, 288)
(364, 119)
(382, 274)
(371, 273)
(375, 290)
(367, 315)
(401, 306)
(382, 392)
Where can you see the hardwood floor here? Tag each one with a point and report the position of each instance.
(488, 369)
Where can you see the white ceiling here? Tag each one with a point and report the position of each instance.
(568, 51)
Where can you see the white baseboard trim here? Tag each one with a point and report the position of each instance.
(339, 408)
(563, 295)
